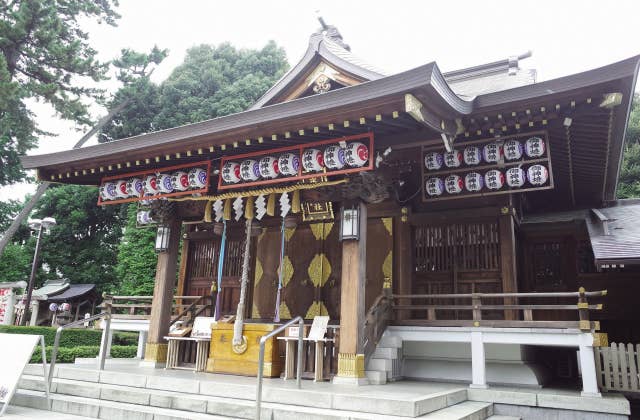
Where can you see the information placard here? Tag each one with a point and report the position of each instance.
(15, 353)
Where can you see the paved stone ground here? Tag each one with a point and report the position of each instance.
(24, 413)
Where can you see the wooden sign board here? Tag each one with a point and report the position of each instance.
(15, 353)
(482, 167)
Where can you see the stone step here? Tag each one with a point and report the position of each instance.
(95, 408)
(467, 410)
(198, 395)
(499, 417)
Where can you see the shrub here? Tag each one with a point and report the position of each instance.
(73, 337)
(69, 354)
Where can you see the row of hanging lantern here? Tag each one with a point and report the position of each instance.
(63, 307)
(333, 157)
(510, 150)
(516, 177)
(154, 184)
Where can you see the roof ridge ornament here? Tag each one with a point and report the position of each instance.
(331, 32)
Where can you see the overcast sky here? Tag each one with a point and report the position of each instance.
(565, 36)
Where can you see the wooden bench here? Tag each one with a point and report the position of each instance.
(201, 336)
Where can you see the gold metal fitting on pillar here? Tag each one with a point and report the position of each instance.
(351, 365)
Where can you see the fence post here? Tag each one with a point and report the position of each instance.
(476, 302)
(583, 310)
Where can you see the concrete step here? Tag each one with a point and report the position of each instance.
(198, 395)
(95, 408)
(100, 409)
(498, 417)
(467, 410)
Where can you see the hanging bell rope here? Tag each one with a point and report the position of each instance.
(276, 317)
(223, 247)
(239, 343)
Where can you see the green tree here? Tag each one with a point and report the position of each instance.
(629, 181)
(43, 54)
(211, 82)
(83, 245)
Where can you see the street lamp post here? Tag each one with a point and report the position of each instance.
(40, 225)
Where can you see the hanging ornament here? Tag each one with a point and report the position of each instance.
(108, 191)
(218, 210)
(165, 183)
(494, 179)
(472, 155)
(537, 174)
(453, 184)
(223, 246)
(453, 159)
(295, 202)
(285, 204)
(150, 185)
(261, 207)
(534, 147)
(249, 170)
(433, 161)
(238, 208)
(492, 152)
(356, 154)
(334, 157)
(515, 177)
(207, 212)
(121, 189)
(269, 167)
(271, 204)
(134, 187)
(231, 172)
(289, 164)
(435, 186)
(473, 182)
(312, 160)
(226, 211)
(512, 149)
(249, 208)
(197, 178)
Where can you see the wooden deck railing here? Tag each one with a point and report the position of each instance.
(476, 304)
(375, 322)
(618, 367)
(139, 307)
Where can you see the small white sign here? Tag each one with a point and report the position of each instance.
(318, 328)
(202, 326)
(15, 353)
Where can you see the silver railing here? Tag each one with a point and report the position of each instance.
(263, 341)
(103, 344)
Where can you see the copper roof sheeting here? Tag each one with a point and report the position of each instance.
(614, 231)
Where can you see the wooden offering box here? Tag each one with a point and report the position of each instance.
(222, 358)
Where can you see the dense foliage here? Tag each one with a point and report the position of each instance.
(44, 54)
(69, 354)
(629, 182)
(72, 337)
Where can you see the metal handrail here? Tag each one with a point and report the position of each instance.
(263, 341)
(103, 344)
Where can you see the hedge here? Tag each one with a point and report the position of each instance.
(73, 337)
(69, 354)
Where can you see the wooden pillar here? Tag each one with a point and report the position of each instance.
(403, 264)
(352, 311)
(508, 258)
(165, 281)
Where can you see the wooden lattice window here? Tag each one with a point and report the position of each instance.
(468, 246)
(547, 264)
(585, 258)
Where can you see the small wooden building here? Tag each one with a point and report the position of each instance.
(476, 181)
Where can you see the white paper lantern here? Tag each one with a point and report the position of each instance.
(492, 152)
(268, 167)
(134, 187)
(472, 155)
(534, 147)
(356, 154)
(494, 179)
(312, 160)
(249, 170)
(108, 191)
(434, 186)
(515, 177)
(512, 149)
(473, 182)
(180, 181)
(198, 178)
(150, 185)
(144, 217)
(453, 184)
(433, 161)
(165, 183)
(537, 174)
(289, 164)
(453, 159)
(65, 307)
(334, 157)
(53, 307)
(121, 189)
(231, 172)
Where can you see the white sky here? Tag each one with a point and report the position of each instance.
(566, 36)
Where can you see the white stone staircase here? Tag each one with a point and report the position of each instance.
(385, 364)
(132, 396)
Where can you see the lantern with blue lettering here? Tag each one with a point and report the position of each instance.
(515, 177)
(472, 155)
(433, 161)
(197, 178)
(473, 182)
(334, 157)
(534, 147)
(134, 187)
(108, 191)
(537, 174)
(453, 184)
(512, 149)
(434, 186)
(494, 179)
(453, 159)
(249, 170)
(289, 164)
(165, 183)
